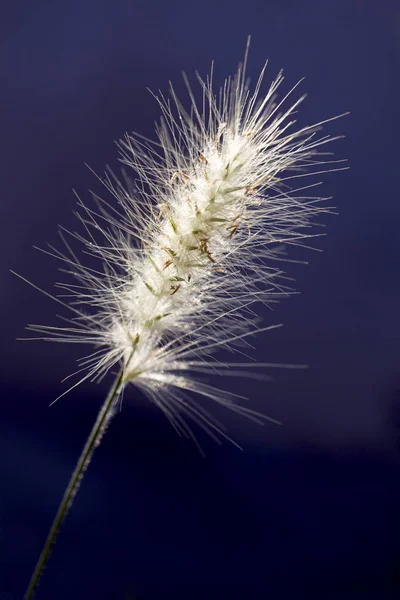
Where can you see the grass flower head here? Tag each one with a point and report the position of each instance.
(191, 241)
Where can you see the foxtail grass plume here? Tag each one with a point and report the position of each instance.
(189, 243)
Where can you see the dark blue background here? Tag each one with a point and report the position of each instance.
(308, 510)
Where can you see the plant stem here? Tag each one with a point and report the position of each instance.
(92, 442)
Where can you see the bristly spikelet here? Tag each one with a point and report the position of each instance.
(185, 249)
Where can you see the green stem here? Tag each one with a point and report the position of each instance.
(92, 442)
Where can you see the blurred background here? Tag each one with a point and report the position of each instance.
(310, 508)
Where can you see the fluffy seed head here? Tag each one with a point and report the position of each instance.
(190, 240)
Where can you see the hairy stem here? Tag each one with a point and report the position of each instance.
(92, 442)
